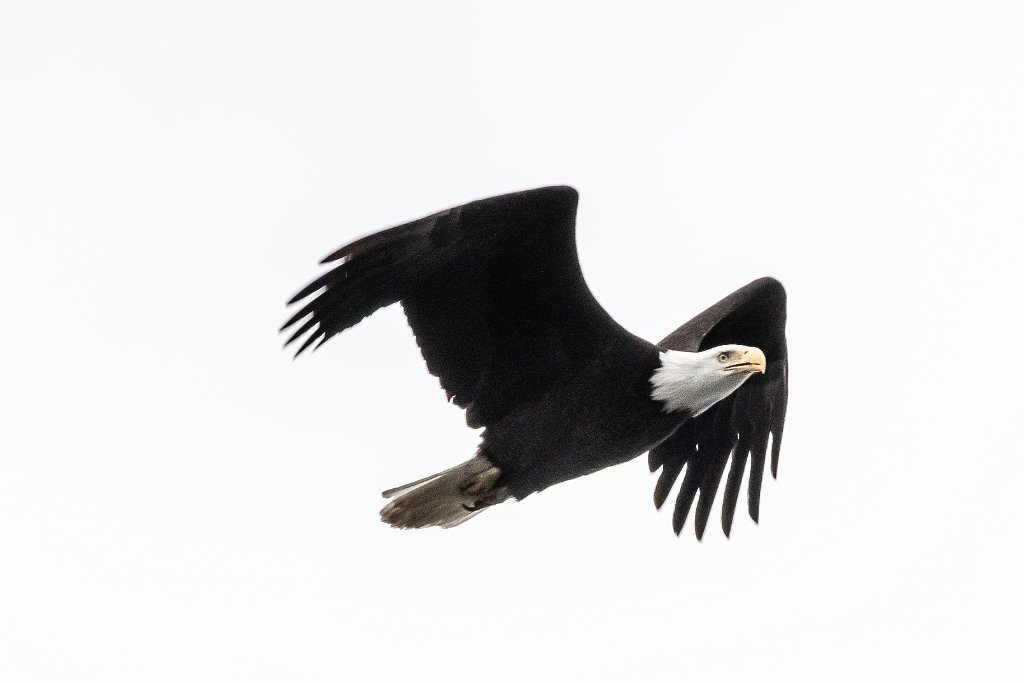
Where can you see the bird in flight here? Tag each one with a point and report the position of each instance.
(503, 317)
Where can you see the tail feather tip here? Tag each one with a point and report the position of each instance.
(446, 499)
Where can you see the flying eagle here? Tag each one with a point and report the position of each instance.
(503, 317)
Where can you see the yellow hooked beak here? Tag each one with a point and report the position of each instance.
(752, 360)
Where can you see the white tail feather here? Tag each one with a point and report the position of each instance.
(399, 490)
(445, 499)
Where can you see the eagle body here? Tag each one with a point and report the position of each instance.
(594, 417)
(495, 297)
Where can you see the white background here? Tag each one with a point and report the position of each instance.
(180, 501)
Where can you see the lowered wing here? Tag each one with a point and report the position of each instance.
(739, 425)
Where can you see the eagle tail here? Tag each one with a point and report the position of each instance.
(445, 499)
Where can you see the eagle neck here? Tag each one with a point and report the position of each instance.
(681, 383)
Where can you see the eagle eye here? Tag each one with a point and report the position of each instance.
(722, 357)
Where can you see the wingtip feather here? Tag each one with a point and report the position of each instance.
(309, 341)
(302, 329)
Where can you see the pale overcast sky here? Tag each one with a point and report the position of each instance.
(180, 501)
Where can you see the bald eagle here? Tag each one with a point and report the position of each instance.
(503, 317)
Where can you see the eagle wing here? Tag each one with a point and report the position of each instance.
(739, 425)
(492, 289)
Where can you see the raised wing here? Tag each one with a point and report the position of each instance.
(492, 290)
(739, 425)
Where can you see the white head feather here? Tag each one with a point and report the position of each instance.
(696, 381)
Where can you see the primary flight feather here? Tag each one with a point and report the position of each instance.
(495, 297)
